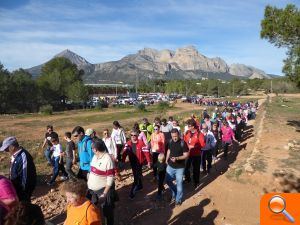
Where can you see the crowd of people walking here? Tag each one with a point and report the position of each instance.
(176, 155)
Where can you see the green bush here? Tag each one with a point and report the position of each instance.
(46, 110)
(141, 107)
(162, 106)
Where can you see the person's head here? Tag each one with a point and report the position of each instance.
(68, 135)
(145, 121)
(204, 126)
(75, 192)
(191, 124)
(54, 140)
(134, 136)
(163, 121)
(49, 129)
(25, 213)
(10, 145)
(171, 119)
(204, 130)
(175, 134)
(116, 124)
(136, 127)
(225, 123)
(106, 133)
(156, 129)
(90, 132)
(175, 123)
(161, 158)
(206, 117)
(215, 126)
(157, 120)
(99, 146)
(78, 133)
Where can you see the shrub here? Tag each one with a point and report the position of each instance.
(46, 109)
(141, 107)
(163, 106)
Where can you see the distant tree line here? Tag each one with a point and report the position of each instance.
(217, 88)
(60, 82)
(60, 85)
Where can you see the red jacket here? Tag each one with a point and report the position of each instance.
(142, 152)
(194, 142)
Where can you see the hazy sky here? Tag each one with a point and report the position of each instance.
(33, 31)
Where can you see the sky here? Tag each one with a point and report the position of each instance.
(33, 31)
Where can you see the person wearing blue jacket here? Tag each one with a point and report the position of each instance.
(85, 152)
(22, 171)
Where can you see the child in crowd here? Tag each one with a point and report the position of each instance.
(70, 155)
(79, 209)
(161, 173)
(57, 161)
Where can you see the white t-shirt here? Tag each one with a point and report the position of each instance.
(111, 146)
(57, 150)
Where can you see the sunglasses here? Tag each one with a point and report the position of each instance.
(155, 128)
(76, 135)
(133, 135)
(104, 133)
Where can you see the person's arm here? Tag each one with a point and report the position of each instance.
(163, 139)
(168, 156)
(146, 153)
(61, 154)
(185, 153)
(114, 149)
(89, 149)
(152, 141)
(110, 177)
(123, 137)
(44, 143)
(233, 136)
(125, 152)
(202, 140)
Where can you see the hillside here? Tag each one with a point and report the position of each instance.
(148, 64)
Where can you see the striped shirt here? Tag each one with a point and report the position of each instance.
(102, 172)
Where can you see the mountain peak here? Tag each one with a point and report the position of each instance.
(73, 57)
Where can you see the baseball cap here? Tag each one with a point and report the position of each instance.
(89, 131)
(7, 142)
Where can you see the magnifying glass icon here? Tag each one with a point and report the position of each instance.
(277, 205)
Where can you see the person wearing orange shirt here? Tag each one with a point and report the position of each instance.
(80, 211)
(157, 147)
(195, 141)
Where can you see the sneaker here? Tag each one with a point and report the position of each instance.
(178, 203)
(172, 200)
(50, 184)
(63, 178)
(186, 181)
(131, 195)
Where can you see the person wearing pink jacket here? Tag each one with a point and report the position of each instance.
(227, 137)
(157, 146)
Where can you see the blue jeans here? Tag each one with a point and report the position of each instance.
(175, 174)
(56, 168)
(48, 154)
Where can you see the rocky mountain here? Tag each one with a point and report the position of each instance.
(148, 63)
(73, 57)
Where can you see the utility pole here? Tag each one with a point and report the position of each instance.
(232, 89)
(116, 90)
(136, 83)
(271, 86)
